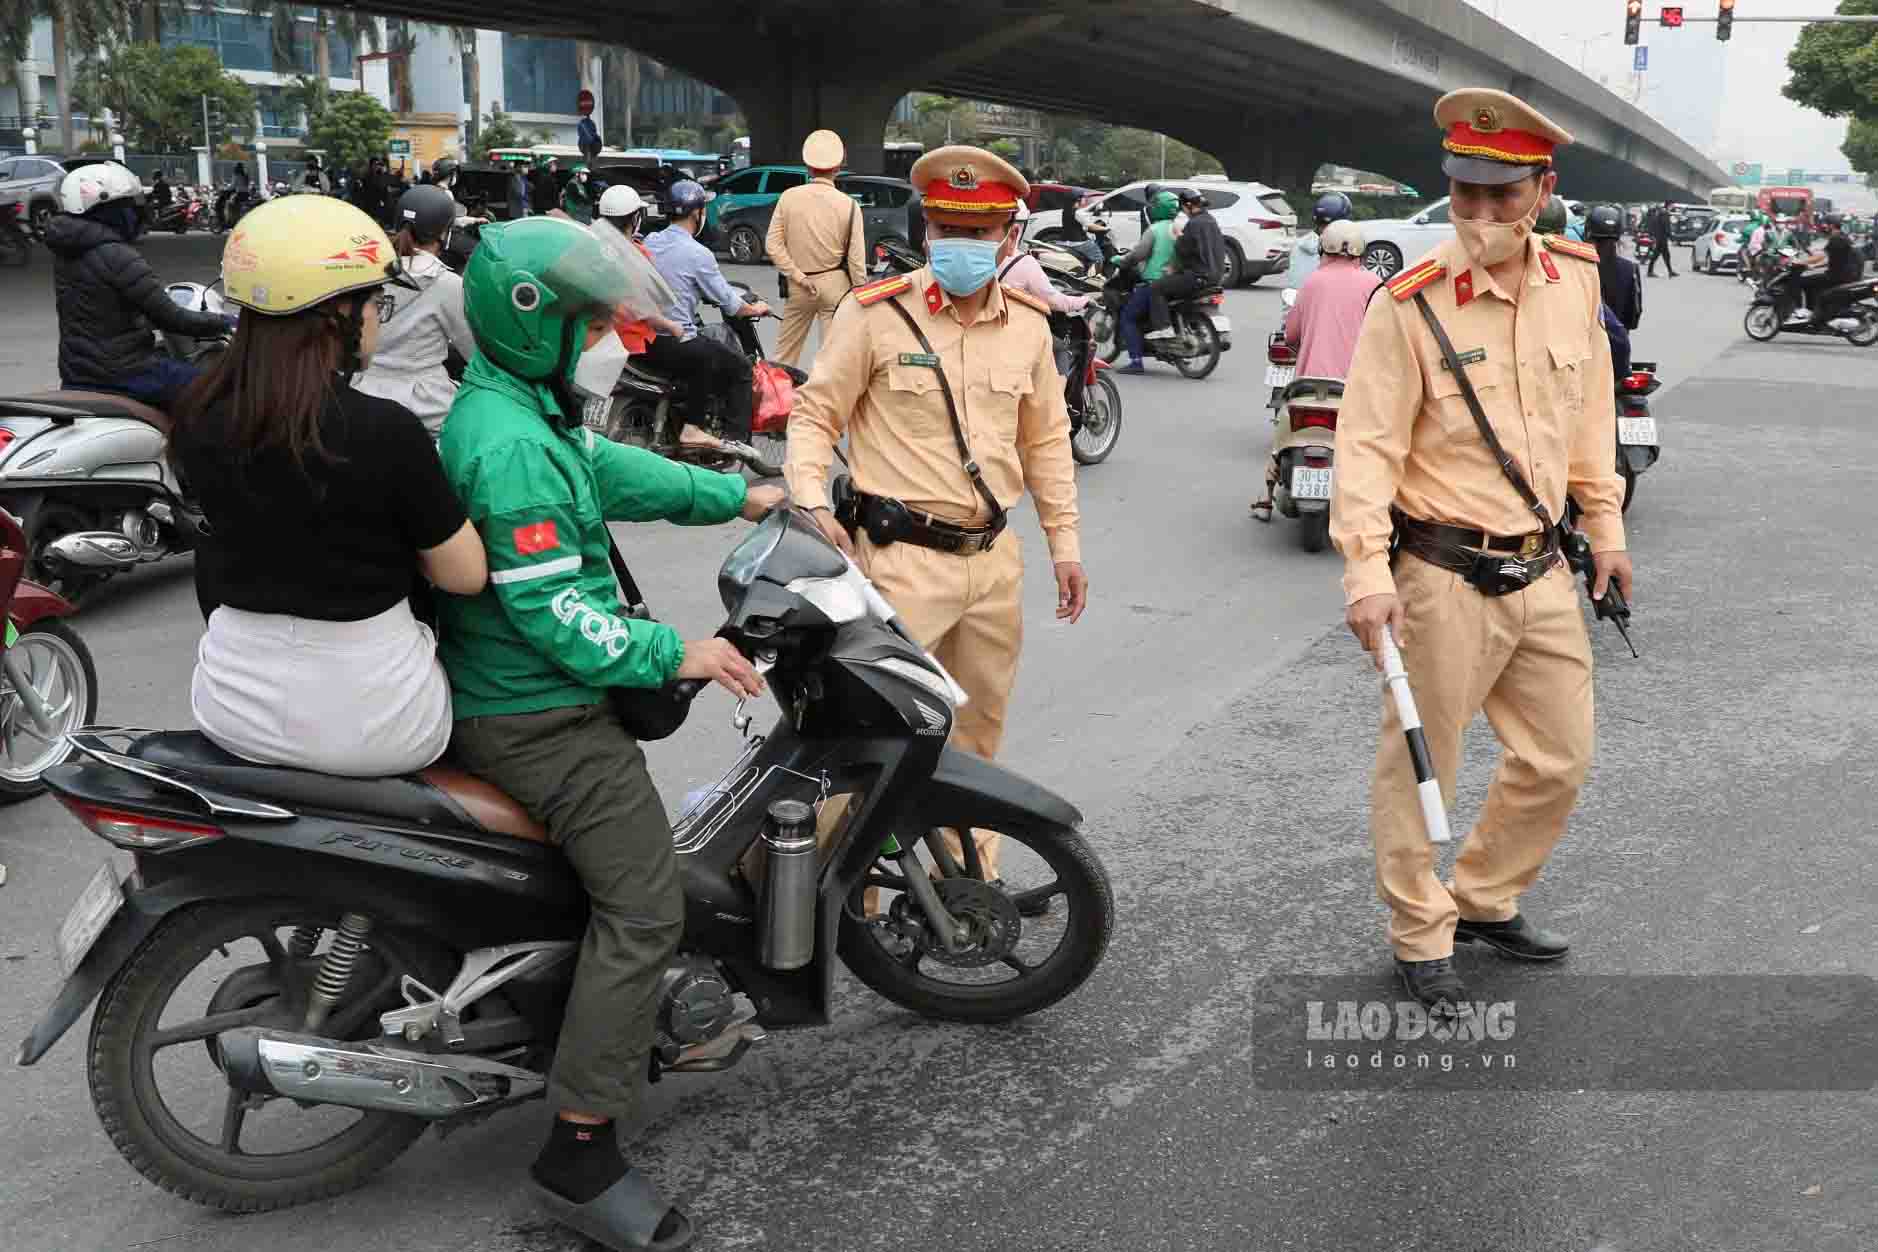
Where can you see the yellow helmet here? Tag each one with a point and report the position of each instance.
(291, 253)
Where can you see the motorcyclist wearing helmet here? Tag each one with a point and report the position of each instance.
(709, 365)
(1552, 219)
(622, 210)
(445, 173)
(1324, 322)
(579, 196)
(1199, 261)
(1331, 207)
(1149, 259)
(544, 189)
(312, 176)
(324, 503)
(108, 296)
(531, 659)
(1843, 265)
(1620, 279)
(427, 319)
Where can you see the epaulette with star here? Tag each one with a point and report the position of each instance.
(1024, 297)
(1572, 247)
(882, 289)
(1413, 279)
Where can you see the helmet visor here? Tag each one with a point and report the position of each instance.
(604, 272)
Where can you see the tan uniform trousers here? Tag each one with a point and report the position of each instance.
(805, 307)
(1525, 661)
(968, 612)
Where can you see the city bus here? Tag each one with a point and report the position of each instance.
(1793, 203)
(1732, 199)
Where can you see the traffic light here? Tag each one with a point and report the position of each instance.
(1672, 15)
(1633, 21)
(1725, 20)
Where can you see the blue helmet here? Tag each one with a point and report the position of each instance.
(688, 196)
(1334, 207)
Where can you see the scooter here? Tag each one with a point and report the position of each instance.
(1637, 448)
(292, 943)
(1299, 473)
(1202, 334)
(1777, 308)
(48, 683)
(87, 474)
(1281, 359)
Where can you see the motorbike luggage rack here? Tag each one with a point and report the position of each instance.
(93, 742)
(61, 414)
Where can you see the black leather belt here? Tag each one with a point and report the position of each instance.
(1528, 546)
(887, 520)
(1467, 553)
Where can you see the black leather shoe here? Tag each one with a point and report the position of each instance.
(1433, 983)
(1517, 938)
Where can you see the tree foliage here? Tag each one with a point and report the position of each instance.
(156, 94)
(497, 131)
(1861, 148)
(1835, 67)
(351, 129)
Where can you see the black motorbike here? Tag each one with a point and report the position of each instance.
(1202, 333)
(230, 207)
(304, 972)
(1637, 446)
(1777, 309)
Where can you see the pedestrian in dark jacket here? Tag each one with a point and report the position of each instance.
(108, 296)
(1658, 227)
(544, 190)
(518, 193)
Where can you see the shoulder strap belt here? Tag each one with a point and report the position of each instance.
(952, 411)
(1480, 415)
(629, 589)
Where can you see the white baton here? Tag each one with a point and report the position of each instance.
(1427, 786)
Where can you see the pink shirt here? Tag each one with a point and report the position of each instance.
(1327, 317)
(1028, 277)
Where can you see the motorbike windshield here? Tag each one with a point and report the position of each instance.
(785, 547)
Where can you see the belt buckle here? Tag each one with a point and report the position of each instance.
(1531, 546)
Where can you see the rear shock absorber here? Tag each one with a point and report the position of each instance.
(335, 972)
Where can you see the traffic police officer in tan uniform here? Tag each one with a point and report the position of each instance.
(930, 520)
(819, 244)
(1485, 611)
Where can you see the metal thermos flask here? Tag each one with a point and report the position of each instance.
(789, 887)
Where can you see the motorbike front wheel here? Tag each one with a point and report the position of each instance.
(1762, 323)
(1101, 423)
(1011, 965)
(1206, 360)
(1867, 333)
(155, 1070)
(59, 666)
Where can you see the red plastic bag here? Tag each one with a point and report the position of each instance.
(775, 397)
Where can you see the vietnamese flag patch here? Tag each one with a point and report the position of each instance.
(537, 537)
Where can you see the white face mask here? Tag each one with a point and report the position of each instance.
(599, 367)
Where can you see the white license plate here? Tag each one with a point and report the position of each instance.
(93, 911)
(1637, 430)
(1221, 323)
(1310, 484)
(1280, 375)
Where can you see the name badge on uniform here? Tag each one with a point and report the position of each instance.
(1471, 357)
(929, 359)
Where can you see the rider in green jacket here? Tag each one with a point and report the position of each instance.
(578, 198)
(531, 657)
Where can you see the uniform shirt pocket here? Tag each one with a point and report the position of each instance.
(1457, 419)
(1566, 379)
(918, 406)
(1002, 389)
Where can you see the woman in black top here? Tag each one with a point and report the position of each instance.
(324, 504)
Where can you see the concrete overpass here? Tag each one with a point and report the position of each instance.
(1272, 87)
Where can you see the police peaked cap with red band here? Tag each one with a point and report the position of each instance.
(1493, 138)
(968, 183)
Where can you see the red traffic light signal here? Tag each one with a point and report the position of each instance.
(1633, 20)
(1672, 15)
(1725, 20)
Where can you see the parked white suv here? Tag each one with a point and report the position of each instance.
(1719, 247)
(1259, 226)
(1389, 245)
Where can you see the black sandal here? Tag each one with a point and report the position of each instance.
(625, 1217)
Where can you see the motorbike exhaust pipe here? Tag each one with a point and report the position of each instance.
(368, 1076)
(97, 549)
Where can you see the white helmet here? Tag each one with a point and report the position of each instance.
(620, 201)
(1342, 238)
(89, 186)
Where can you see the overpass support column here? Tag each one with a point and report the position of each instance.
(781, 114)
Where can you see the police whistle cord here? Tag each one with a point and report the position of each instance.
(1612, 608)
(1427, 786)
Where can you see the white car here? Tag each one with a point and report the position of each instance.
(1258, 224)
(1719, 247)
(1392, 245)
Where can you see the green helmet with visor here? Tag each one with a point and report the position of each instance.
(534, 286)
(1164, 207)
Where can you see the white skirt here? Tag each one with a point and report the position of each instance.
(363, 698)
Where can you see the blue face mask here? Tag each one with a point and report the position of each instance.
(962, 266)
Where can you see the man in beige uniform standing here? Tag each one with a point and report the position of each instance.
(931, 520)
(1486, 613)
(818, 243)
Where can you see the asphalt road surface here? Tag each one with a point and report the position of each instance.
(1215, 723)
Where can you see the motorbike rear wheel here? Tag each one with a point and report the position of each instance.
(1314, 531)
(1762, 323)
(1206, 360)
(1101, 423)
(1867, 333)
(996, 978)
(131, 1030)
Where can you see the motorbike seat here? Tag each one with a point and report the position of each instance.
(102, 404)
(437, 796)
(1316, 388)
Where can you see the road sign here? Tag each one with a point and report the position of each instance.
(1643, 59)
(1672, 15)
(1747, 174)
(400, 147)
